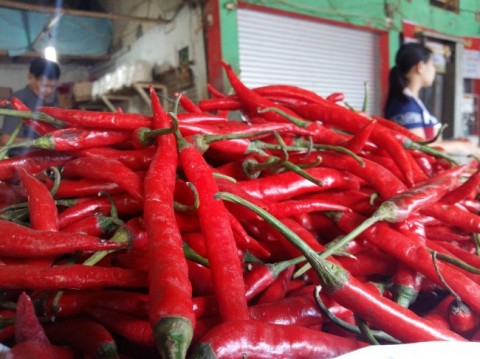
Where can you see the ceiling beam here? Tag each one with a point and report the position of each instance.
(55, 10)
(31, 54)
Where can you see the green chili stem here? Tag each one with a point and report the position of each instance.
(12, 138)
(40, 116)
(347, 326)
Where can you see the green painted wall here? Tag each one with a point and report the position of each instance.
(366, 13)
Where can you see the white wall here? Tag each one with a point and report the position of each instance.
(160, 43)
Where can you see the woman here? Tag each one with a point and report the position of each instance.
(413, 71)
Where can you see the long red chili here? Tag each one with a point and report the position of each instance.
(136, 160)
(43, 212)
(69, 276)
(289, 184)
(23, 242)
(40, 127)
(99, 120)
(215, 225)
(107, 169)
(255, 339)
(68, 139)
(32, 162)
(171, 314)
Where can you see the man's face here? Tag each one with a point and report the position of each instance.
(42, 86)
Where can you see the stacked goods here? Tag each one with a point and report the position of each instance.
(309, 230)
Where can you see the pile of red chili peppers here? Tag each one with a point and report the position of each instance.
(268, 223)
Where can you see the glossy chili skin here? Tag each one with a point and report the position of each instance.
(136, 159)
(39, 127)
(220, 243)
(23, 242)
(67, 139)
(106, 169)
(251, 100)
(415, 255)
(454, 216)
(350, 121)
(171, 315)
(125, 205)
(73, 303)
(468, 189)
(72, 276)
(32, 162)
(256, 339)
(413, 200)
(43, 212)
(99, 120)
(380, 178)
(135, 330)
(289, 184)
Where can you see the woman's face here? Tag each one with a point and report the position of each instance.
(427, 72)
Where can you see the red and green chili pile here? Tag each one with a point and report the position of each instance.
(306, 230)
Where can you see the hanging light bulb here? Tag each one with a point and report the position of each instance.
(50, 53)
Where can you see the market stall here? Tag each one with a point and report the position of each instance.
(160, 215)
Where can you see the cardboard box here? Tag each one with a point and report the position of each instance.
(82, 91)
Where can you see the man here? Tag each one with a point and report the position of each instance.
(40, 91)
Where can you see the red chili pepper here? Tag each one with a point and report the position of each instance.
(68, 139)
(278, 289)
(336, 97)
(461, 318)
(215, 225)
(107, 169)
(40, 127)
(468, 189)
(454, 216)
(32, 162)
(96, 225)
(244, 241)
(136, 160)
(27, 325)
(445, 234)
(220, 103)
(69, 276)
(256, 339)
(350, 121)
(98, 343)
(99, 120)
(252, 100)
(369, 262)
(171, 314)
(72, 303)
(201, 279)
(43, 212)
(291, 208)
(415, 255)
(290, 91)
(125, 204)
(400, 207)
(69, 188)
(188, 105)
(134, 330)
(23, 242)
(290, 184)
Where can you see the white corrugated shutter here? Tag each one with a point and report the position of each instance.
(324, 58)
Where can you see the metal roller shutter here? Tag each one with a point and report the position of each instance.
(321, 57)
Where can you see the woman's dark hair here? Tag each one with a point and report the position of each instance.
(42, 67)
(407, 56)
